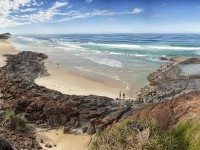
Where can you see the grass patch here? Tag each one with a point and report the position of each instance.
(15, 120)
(187, 134)
(147, 135)
(124, 136)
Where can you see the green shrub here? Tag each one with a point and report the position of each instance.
(15, 119)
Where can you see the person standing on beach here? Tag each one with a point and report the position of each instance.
(123, 96)
(57, 65)
(120, 95)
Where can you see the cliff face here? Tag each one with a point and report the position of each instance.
(5, 36)
(170, 112)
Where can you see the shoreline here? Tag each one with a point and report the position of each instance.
(30, 67)
(74, 83)
(80, 82)
(6, 48)
(50, 108)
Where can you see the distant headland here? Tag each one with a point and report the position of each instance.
(5, 36)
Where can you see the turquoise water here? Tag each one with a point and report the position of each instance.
(127, 57)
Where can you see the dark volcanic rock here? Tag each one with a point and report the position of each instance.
(25, 66)
(5, 36)
(42, 105)
(163, 58)
(4, 145)
(25, 140)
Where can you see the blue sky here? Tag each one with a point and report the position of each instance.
(99, 16)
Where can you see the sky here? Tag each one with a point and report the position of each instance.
(99, 16)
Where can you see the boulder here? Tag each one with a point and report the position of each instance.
(91, 129)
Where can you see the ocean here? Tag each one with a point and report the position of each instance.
(126, 57)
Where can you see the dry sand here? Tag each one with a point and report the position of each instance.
(63, 141)
(5, 48)
(71, 83)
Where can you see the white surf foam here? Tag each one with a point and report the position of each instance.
(133, 46)
(106, 61)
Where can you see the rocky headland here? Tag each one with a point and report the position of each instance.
(49, 108)
(5, 36)
(79, 114)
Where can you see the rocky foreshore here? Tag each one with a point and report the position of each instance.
(40, 105)
(49, 108)
(169, 82)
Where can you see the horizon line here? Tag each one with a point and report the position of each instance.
(106, 33)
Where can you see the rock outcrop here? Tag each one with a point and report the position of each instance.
(41, 105)
(169, 82)
(17, 139)
(5, 36)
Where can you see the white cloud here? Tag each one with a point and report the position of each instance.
(81, 15)
(137, 10)
(28, 10)
(46, 15)
(18, 12)
(93, 13)
(8, 6)
(21, 12)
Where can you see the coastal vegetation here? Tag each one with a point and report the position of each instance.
(148, 135)
(15, 120)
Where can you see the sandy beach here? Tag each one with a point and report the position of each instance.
(5, 48)
(68, 82)
(60, 141)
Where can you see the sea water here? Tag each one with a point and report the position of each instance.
(126, 57)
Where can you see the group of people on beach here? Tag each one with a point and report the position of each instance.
(122, 96)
